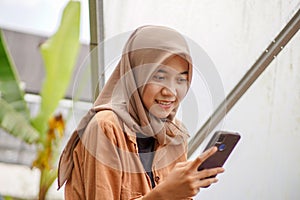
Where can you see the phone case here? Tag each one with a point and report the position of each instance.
(225, 141)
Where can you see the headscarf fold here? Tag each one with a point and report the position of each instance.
(146, 49)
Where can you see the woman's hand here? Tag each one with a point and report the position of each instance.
(185, 180)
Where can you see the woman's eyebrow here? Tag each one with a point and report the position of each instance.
(161, 71)
(183, 73)
(164, 71)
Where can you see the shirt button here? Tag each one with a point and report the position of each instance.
(157, 179)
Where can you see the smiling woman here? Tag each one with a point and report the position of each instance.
(130, 145)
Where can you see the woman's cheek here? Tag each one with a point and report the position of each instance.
(182, 92)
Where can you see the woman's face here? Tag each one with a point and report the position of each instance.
(167, 87)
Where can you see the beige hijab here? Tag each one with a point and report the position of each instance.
(146, 49)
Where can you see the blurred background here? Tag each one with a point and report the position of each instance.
(230, 34)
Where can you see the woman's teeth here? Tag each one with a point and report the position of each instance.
(165, 102)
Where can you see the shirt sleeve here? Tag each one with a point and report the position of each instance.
(97, 171)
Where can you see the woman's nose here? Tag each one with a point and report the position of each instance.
(169, 90)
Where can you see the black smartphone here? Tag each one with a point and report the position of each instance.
(225, 142)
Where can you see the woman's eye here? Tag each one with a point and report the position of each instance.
(182, 80)
(158, 78)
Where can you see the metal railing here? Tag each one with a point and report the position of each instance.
(96, 48)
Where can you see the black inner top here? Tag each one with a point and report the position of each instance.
(146, 153)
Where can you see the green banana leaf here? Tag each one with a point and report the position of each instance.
(9, 81)
(59, 54)
(16, 124)
(14, 113)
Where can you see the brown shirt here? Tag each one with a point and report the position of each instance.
(107, 164)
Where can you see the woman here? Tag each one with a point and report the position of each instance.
(130, 145)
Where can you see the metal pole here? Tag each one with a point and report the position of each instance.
(96, 46)
(257, 68)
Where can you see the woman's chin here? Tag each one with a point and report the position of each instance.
(161, 115)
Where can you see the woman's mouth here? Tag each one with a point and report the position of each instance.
(165, 104)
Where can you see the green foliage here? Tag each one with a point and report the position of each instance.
(14, 114)
(9, 82)
(45, 130)
(59, 55)
(16, 124)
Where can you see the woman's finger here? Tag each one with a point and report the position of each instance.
(207, 173)
(206, 182)
(183, 164)
(206, 154)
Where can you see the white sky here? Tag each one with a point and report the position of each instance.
(40, 17)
